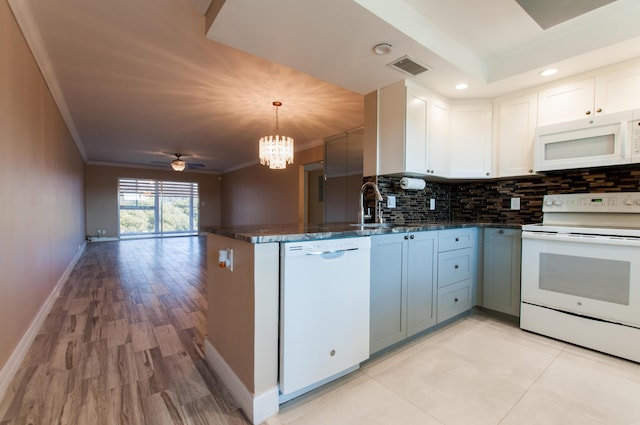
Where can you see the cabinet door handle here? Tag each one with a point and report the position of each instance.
(599, 110)
(457, 239)
(588, 113)
(501, 232)
(412, 236)
(406, 237)
(456, 267)
(455, 300)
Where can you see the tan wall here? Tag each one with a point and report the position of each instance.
(243, 310)
(259, 195)
(102, 194)
(42, 190)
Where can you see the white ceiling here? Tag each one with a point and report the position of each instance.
(139, 80)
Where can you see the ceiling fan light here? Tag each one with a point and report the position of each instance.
(178, 165)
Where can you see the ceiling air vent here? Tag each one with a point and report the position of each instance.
(408, 65)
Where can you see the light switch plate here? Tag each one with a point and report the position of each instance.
(391, 201)
(515, 203)
(432, 204)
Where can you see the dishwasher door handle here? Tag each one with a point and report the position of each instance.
(337, 251)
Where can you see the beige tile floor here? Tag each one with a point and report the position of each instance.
(478, 370)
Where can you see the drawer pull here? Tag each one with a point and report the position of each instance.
(332, 353)
(455, 300)
(457, 239)
(456, 266)
(501, 232)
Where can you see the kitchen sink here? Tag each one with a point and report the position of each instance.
(373, 225)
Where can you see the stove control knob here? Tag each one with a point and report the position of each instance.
(557, 202)
(637, 201)
(548, 202)
(628, 202)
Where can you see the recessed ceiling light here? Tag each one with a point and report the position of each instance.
(548, 72)
(382, 49)
(462, 86)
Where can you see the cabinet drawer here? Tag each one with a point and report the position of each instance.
(455, 239)
(454, 266)
(454, 300)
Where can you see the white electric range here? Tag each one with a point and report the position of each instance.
(581, 272)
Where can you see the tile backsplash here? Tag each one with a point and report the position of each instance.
(490, 201)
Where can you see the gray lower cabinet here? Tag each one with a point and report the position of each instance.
(403, 277)
(457, 270)
(501, 279)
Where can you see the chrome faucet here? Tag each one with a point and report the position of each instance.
(378, 198)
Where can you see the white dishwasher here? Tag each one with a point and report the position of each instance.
(324, 311)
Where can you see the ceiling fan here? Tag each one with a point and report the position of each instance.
(178, 164)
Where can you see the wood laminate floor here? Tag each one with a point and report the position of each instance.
(123, 343)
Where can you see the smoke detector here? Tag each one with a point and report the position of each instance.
(408, 65)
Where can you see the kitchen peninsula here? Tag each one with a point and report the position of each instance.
(244, 295)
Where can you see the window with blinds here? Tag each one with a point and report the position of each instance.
(160, 208)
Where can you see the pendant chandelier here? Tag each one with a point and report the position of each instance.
(276, 151)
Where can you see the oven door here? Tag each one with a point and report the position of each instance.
(589, 275)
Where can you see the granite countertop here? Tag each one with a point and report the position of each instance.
(298, 232)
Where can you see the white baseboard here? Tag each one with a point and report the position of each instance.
(10, 368)
(257, 407)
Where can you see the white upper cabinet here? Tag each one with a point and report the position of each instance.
(401, 132)
(470, 141)
(567, 102)
(401, 128)
(516, 127)
(410, 130)
(611, 92)
(438, 140)
(618, 91)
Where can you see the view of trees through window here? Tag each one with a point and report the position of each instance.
(157, 207)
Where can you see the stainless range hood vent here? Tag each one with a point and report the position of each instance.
(408, 65)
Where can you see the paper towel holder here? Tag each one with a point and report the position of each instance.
(408, 183)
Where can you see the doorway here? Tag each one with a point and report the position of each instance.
(314, 193)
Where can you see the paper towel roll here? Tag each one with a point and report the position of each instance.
(412, 184)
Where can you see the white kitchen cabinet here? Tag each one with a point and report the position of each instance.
(517, 120)
(398, 131)
(457, 271)
(501, 280)
(566, 102)
(402, 130)
(614, 91)
(470, 141)
(438, 140)
(403, 277)
(618, 91)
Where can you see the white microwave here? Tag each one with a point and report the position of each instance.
(611, 139)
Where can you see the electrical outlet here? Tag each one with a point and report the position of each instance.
(515, 203)
(391, 201)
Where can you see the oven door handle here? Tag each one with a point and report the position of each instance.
(591, 239)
